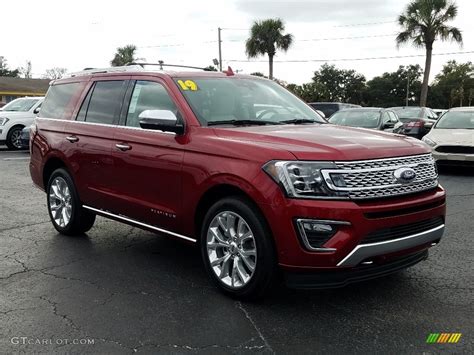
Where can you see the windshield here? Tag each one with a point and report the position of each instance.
(20, 105)
(234, 100)
(407, 112)
(457, 120)
(356, 118)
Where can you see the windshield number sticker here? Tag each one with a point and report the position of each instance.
(187, 85)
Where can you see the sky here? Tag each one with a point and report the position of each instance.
(80, 34)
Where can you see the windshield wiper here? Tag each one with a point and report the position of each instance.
(241, 122)
(299, 121)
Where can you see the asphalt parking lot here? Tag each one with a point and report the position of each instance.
(123, 290)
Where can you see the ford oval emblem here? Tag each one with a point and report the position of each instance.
(405, 175)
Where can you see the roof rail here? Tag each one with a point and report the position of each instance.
(161, 65)
(89, 71)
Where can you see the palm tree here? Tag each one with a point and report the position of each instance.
(423, 22)
(124, 55)
(265, 38)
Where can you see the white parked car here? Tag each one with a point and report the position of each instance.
(452, 137)
(15, 116)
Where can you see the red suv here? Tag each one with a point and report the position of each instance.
(241, 167)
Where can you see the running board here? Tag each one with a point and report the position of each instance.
(137, 223)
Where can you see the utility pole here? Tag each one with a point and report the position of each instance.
(408, 88)
(220, 47)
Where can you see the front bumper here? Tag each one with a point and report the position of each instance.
(349, 246)
(340, 278)
(453, 158)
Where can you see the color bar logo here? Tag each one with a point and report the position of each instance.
(441, 338)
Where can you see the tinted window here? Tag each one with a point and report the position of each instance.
(81, 116)
(148, 95)
(393, 117)
(385, 117)
(405, 113)
(58, 102)
(105, 102)
(356, 118)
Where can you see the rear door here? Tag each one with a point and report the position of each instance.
(147, 163)
(90, 137)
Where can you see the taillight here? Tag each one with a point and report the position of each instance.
(414, 124)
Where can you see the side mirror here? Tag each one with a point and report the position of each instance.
(36, 110)
(389, 125)
(161, 120)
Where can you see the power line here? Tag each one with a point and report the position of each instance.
(343, 59)
(366, 24)
(324, 39)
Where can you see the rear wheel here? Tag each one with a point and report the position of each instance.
(14, 138)
(237, 248)
(64, 207)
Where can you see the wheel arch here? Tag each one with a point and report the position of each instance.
(50, 166)
(216, 193)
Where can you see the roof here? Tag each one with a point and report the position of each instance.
(23, 86)
(463, 108)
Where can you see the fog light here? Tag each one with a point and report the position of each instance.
(315, 233)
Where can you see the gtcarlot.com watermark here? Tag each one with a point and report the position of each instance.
(50, 341)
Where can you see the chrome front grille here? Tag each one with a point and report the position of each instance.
(376, 179)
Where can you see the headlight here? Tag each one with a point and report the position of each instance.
(428, 141)
(302, 179)
(3, 121)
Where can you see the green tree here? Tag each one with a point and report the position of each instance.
(453, 85)
(422, 23)
(124, 56)
(339, 85)
(390, 89)
(26, 71)
(309, 92)
(5, 71)
(266, 37)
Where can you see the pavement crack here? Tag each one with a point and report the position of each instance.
(257, 329)
(54, 306)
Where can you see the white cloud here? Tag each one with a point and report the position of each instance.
(83, 34)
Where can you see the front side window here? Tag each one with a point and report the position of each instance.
(250, 101)
(105, 102)
(60, 100)
(20, 105)
(456, 120)
(148, 95)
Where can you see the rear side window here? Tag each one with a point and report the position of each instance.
(103, 102)
(59, 102)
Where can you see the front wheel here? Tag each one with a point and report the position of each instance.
(64, 207)
(237, 248)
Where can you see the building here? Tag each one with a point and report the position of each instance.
(12, 88)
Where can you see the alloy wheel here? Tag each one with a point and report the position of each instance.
(60, 202)
(231, 249)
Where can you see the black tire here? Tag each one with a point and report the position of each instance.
(81, 220)
(265, 272)
(14, 138)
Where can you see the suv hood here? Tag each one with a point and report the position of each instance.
(327, 141)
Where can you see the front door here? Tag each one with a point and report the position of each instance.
(147, 163)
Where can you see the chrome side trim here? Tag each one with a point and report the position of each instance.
(364, 251)
(304, 238)
(106, 125)
(132, 221)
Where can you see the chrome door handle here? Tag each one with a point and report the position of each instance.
(123, 147)
(72, 139)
